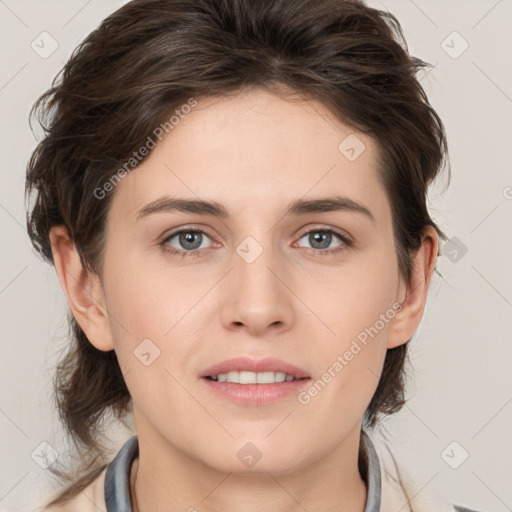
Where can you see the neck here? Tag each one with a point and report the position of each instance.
(178, 483)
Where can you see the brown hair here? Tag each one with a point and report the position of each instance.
(150, 57)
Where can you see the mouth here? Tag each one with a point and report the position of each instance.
(254, 382)
(246, 377)
(246, 370)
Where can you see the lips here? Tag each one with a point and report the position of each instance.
(268, 364)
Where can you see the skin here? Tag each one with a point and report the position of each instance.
(254, 152)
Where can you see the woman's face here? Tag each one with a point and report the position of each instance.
(255, 284)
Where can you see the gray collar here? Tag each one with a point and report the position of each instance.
(117, 477)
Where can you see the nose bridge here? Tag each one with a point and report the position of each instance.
(255, 257)
(258, 297)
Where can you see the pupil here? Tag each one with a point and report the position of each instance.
(187, 240)
(322, 235)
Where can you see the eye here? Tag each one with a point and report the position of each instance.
(321, 238)
(188, 242)
(185, 242)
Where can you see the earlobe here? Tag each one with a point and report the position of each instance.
(409, 317)
(83, 290)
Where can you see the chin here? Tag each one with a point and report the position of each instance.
(253, 459)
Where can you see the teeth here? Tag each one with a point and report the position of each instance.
(244, 377)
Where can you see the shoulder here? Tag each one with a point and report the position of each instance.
(110, 485)
(92, 499)
(399, 489)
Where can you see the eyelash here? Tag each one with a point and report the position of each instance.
(197, 252)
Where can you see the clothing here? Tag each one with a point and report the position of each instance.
(110, 491)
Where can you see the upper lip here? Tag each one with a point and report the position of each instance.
(268, 364)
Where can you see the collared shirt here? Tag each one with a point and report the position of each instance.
(117, 476)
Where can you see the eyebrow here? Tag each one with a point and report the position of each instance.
(213, 208)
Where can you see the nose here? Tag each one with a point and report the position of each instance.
(258, 298)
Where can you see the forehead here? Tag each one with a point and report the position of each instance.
(255, 149)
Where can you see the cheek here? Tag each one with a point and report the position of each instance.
(357, 305)
(154, 318)
(142, 308)
(354, 298)
(146, 301)
(149, 323)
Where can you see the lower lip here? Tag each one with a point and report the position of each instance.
(256, 394)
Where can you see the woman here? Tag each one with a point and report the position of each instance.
(233, 194)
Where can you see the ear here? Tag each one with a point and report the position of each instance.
(83, 290)
(407, 320)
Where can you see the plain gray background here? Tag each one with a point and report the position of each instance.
(460, 398)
